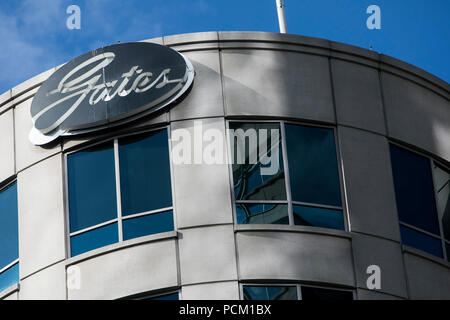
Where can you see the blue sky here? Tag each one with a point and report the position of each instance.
(34, 36)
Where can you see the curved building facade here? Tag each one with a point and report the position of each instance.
(357, 206)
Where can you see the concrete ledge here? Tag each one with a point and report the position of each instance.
(287, 228)
(121, 245)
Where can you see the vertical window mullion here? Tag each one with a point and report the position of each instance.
(67, 214)
(299, 292)
(341, 174)
(230, 157)
(118, 194)
(172, 182)
(286, 174)
(441, 229)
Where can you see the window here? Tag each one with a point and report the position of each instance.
(270, 293)
(422, 198)
(9, 237)
(322, 294)
(119, 190)
(442, 188)
(294, 292)
(259, 190)
(160, 297)
(289, 178)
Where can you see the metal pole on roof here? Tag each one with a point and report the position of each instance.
(281, 16)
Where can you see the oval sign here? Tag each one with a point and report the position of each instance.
(107, 87)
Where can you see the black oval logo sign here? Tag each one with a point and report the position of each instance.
(107, 87)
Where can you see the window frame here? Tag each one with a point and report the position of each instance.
(289, 202)
(5, 185)
(119, 218)
(432, 162)
(291, 284)
(154, 294)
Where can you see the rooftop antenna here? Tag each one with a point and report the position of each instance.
(281, 16)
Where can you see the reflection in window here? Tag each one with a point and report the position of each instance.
(262, 213)
(416, 198)
(318, 217)
(9, 238)
(250, 155)
(142, 186)
(442, 187)
(270, 293)
(314, 194)
(258, 292)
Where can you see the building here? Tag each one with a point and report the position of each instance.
(361, 193)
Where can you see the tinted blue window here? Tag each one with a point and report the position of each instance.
(9, 277)
(270, 293)
(309, 293)
(9, 239)
(94, 239)
(173, 296)
(145, 225)
(250, 182)
(421, 241)
(262, 214)
(145, 173)
(414, 190)
(313, 169)
(92, 187)
(318, 217)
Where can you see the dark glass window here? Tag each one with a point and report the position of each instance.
(92, 187)
(253, 292)
(318, 217)
(169, 296)
(261, 198)
(416, 200)
(173, 296)
(145, 173)
(270, 293)
(94, 239)
(421, 241)
(145, 191)
(414, 190)
(9, 238)
(321, 294)
(313, 169)
(262, 213)
(250, 152)
(146, 225)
